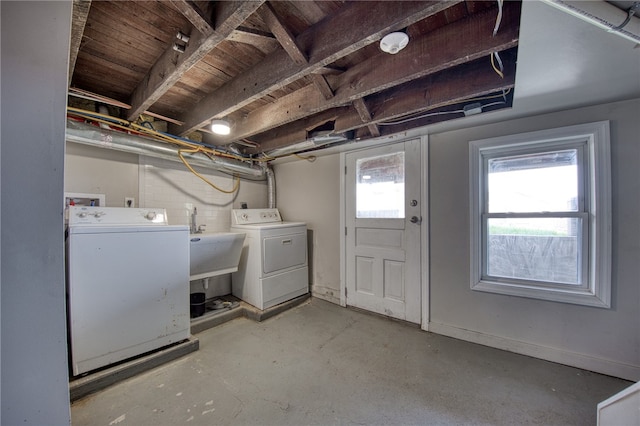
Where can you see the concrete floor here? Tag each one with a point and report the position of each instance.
(319, 363)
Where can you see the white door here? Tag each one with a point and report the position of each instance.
(383, 222)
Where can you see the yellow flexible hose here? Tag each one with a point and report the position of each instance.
(194, 150)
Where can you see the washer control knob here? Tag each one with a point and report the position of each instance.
(82, 214)
(150, 215)
(245, 216)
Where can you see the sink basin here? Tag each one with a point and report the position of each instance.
(214, 253)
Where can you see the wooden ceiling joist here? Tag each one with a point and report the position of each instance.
(365, 116)
(199, 19)
(324, 43)
(322, 85)
(455, 44)
(263, 41)
(282, 34)
(79, 20)
(171, 66)
(467, 83)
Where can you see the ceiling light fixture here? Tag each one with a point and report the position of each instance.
(394, 42)
(220, 127)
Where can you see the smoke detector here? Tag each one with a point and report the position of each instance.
(394, 42)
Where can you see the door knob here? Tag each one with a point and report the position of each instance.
(415, 219)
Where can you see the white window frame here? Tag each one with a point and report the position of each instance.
(595, 165)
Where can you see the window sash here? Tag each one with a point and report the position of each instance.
(583, 258)
(594, 211)
(579, 144)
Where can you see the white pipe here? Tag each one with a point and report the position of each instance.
(601, 14)
(102, 109)
(87, 134)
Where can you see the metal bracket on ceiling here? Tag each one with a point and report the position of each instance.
(635, 7)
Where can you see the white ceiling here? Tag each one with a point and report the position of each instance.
(564, 62)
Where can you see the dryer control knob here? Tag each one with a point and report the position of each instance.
(150, 215)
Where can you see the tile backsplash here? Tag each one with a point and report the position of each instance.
(170, 185)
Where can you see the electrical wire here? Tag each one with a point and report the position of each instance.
(186, 145)
(630, 12)
(310, 158)
(417, 117)
(128, 126)
(498, 18)
(236, 185)
(499, 71)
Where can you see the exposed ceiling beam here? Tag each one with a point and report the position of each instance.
(365, 116)
(172, 65)
(282, 34)
(466, 83)
(200, 20)
(265, 42)
(295, 132)
(457, 43)
(322, 85)
(79, 19)
(324, 43)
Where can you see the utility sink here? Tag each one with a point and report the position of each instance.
(214, 253)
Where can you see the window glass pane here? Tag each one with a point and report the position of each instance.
(380, 186)
(540, 249)
(541, 182)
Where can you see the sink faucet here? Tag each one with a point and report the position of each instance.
(193, 227)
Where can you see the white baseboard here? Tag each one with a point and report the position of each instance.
(561, 356)
(325, 293)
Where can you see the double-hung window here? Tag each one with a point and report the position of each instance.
(541, 215)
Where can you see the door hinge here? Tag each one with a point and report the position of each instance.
(345, 231)
(345, 170)
(345, 292)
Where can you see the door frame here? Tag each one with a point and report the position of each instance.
(424, 229)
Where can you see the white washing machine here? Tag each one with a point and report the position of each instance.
(273, 266)
(127, 284)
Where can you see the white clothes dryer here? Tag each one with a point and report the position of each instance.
(273, 266)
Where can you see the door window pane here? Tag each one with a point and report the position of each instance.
(380, 186)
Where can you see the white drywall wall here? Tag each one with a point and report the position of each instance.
(604, 340)
(310, 192)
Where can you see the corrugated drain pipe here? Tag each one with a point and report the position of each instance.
(271, 186)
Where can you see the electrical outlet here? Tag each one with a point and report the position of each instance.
(129, 202)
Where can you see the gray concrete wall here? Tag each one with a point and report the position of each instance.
(34, 369)
(605, 340)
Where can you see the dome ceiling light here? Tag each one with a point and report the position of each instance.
(394, 42)
(220, 127)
